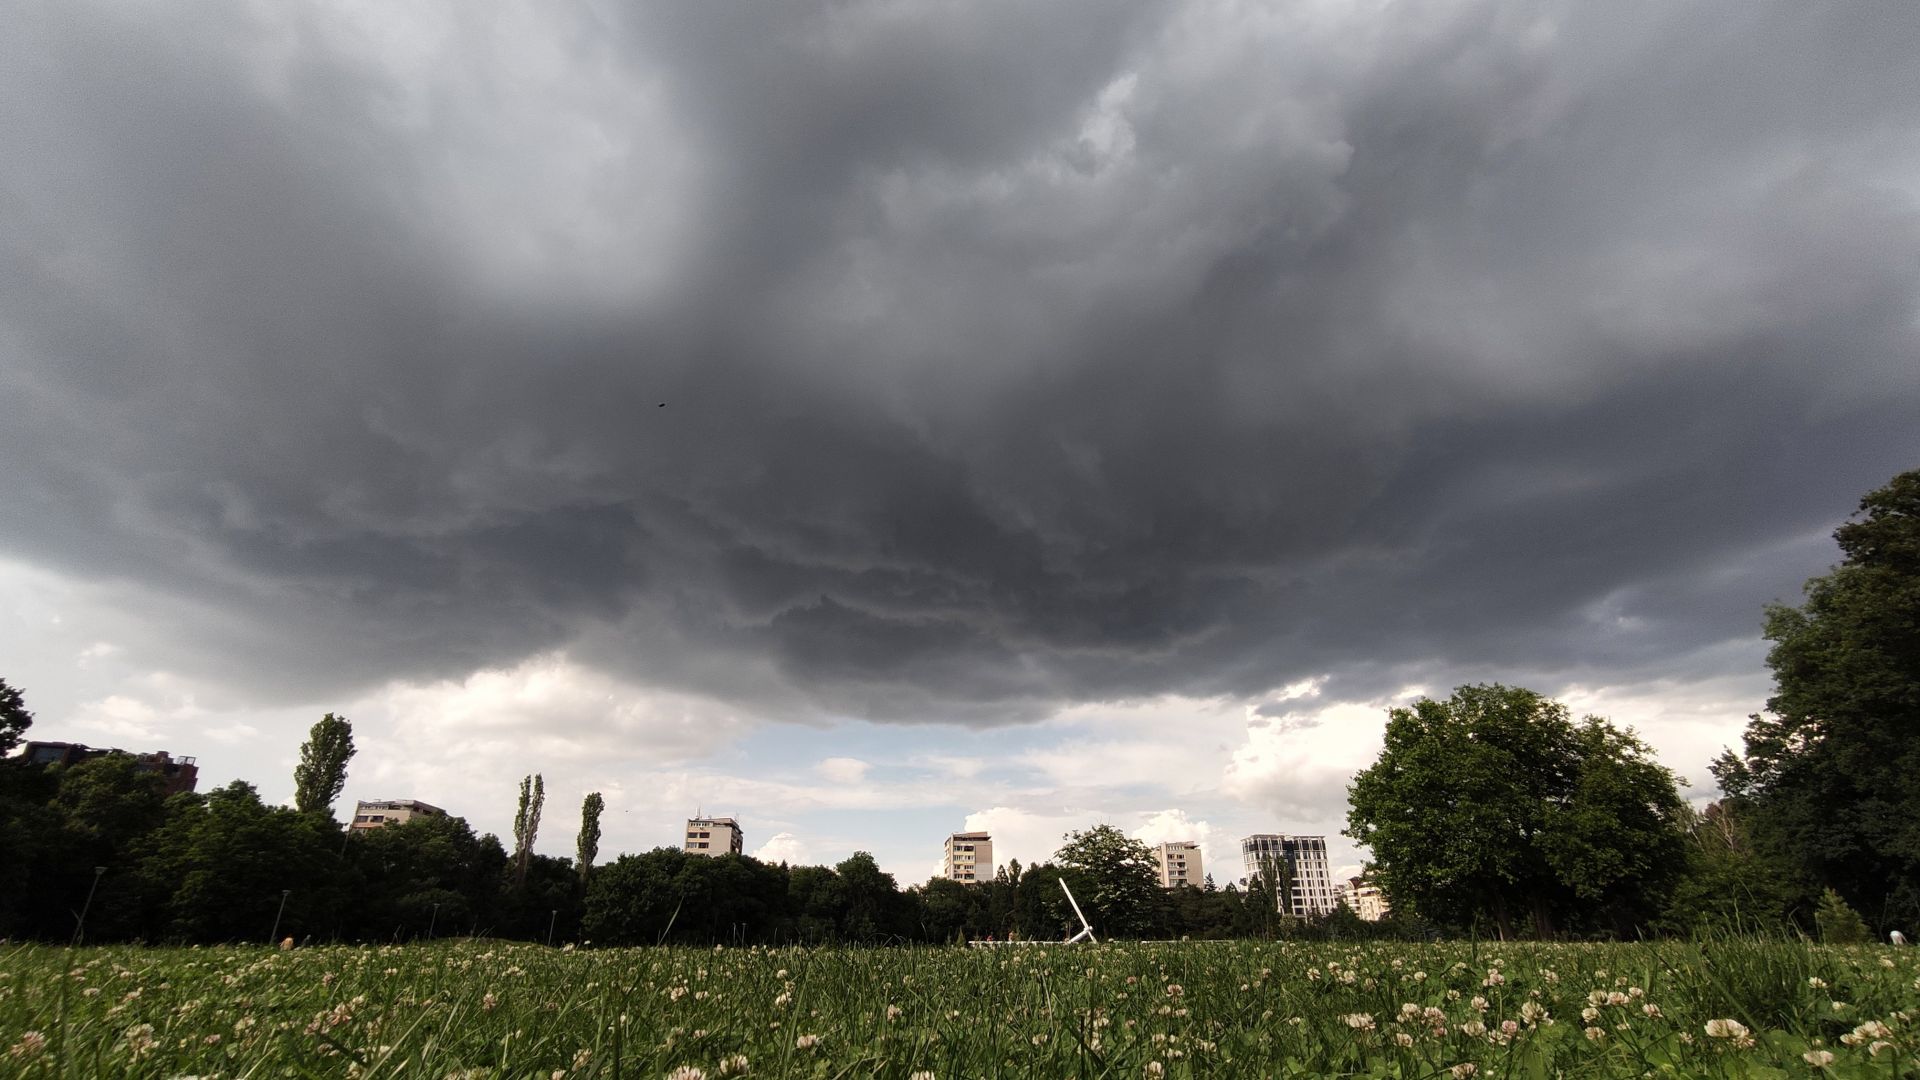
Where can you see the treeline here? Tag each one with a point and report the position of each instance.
(96, 850)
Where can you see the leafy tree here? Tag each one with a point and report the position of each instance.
(1829, 771)
(526, 824)
(1727, 883)
(870, 912)
(217, 868)
(588, 848)
(426, 875)
(1840, 924)
(1118, 879)
(14, 718)
(1494, 804)
(322, 772)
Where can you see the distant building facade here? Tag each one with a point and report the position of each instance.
(1180, 864)
(969, 857)
(180, 773)
(380, 813)
(1366, 899)
(1305, 857)
(715, 836)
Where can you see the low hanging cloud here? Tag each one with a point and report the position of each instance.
(951, 364)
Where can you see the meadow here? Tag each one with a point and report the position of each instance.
(472, 1009)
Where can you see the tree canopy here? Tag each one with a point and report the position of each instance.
(322, 772)
(1494, 805)
(14, 718)
(1118, 884)
(1829, 773)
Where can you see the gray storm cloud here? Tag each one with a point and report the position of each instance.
(1010, 355)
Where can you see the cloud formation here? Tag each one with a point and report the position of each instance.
(919, 363)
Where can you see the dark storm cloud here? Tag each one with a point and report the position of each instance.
(1011, 355)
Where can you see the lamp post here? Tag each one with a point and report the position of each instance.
(432, 920)
(550, 922)
(80, 927)
(274, 934)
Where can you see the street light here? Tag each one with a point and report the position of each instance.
(550, 922)
(274, 934)
(80, 926)
(432, 919)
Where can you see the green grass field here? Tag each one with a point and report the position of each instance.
(495, 1009)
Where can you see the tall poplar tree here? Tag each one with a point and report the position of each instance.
(526, 824)
(589, 845)
(322, 772)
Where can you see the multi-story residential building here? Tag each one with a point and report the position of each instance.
(1305, 858)
(969, 857)
(179, 773)
(1180, 864)
(380, 813)
(1366, 899)
(715, 836)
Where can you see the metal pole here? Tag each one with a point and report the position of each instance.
(433, 919)
(79, 928)
(274, 934)
(550, 922)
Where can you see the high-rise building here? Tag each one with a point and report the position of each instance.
(1305, 859)
(1180, 864)
(969, 857)
(179, 773)
(380, 813)
(714, 836)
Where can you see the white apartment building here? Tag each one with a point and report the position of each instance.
(1180, 864)
(715, 836)
(1366, 900)
(383, 812)
(1306, 859)
(969, 857)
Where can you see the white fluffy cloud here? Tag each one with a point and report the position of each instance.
(843, 770)
(784, 847)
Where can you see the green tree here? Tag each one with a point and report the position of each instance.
(1495, 805)
(1117, 878)
(1727, 883)
(526, 824)
(14, 718)
(218, 867)
(1829, 771)
(322, 772)
(588, 847)
(1840, 924)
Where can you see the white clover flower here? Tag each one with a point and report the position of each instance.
(31, 1044)
(1819, 1059)
(806, 1042)
(1726, 1029)
(687, 1072)
(1464, 1070)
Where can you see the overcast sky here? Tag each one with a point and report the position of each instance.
(876, 419)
